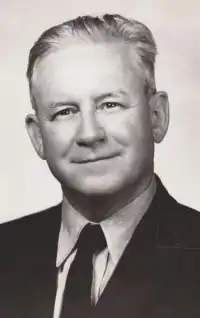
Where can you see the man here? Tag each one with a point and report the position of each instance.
(118, 245)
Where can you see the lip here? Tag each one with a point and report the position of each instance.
(95, 159)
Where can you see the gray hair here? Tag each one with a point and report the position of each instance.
(100, 28)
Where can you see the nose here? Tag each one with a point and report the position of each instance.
(90, 131)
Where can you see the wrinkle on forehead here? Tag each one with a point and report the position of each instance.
(120, 46)
(124, 55)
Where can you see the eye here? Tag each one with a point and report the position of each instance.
(110, 106)
(68, 111)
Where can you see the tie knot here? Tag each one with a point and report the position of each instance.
(91, 238)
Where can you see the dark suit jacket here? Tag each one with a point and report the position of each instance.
(158, 275)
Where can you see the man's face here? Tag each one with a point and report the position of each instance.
(93, 117)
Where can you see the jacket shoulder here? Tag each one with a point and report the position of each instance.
(179, 225)
(24, 236)
(28, 222)
(189, 227)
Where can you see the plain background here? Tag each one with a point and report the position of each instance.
(26, 185)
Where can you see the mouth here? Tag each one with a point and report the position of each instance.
(94, 159)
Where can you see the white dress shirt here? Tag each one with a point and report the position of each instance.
(118, 230)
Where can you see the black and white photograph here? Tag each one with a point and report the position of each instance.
(100, 159)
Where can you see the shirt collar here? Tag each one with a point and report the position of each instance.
(117, 229)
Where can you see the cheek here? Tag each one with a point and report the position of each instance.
(58, 137)
(130, 128)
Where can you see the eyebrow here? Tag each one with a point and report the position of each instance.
(60, 104)
(97, 99)
(111, 94)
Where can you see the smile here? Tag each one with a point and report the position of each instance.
(95, 159)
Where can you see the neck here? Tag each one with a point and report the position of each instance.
(96, 208)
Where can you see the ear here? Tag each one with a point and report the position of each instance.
(159, 115)
(33, 128)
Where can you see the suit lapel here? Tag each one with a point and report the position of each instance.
(130, 277)
(134, 285)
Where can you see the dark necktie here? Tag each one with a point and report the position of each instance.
(77, 294)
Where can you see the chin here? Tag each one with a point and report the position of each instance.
(100, 186)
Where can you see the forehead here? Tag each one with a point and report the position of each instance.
(86, 68)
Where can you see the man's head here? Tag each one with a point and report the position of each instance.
(97, 112)
(103, 29)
